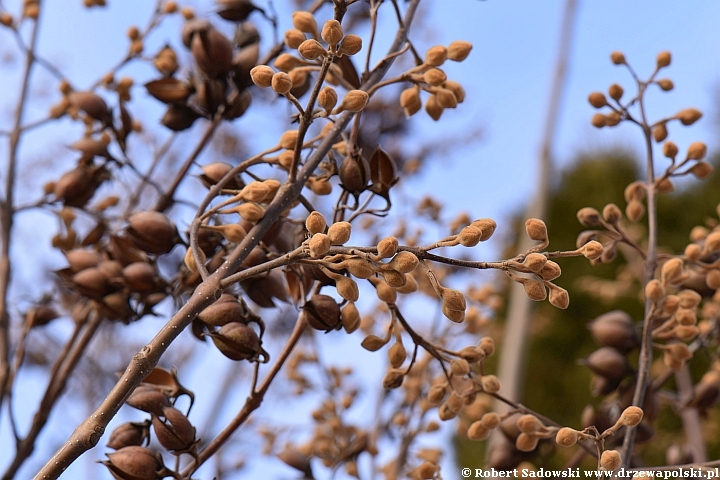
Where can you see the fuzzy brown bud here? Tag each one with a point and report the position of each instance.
(631, 416)
(315, 222)
(459, 50)
(281, 83)
(566, 437)
(617, 58)
(354, 101)
(593, 250)
(701, 170)
(477, 431)
(293, 38)
(410, 100)
(436, 56)
(311, 49)
(597, 99)
(696, 151)
(536, 229)
(688, 116)
(610, 460)
(350, 317)
(660, 132)
(663, 59)
(616, 92)
(262, 76)
(490, 383)
(327, 98)
(387, 247)
(319, 245)
(350, 45)
(339, 233)
(599, 120)
(588, 217)
(305, 22)
(332, 32)
(665, 84)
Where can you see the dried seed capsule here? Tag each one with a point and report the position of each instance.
(566, 437)
(670, 150)
(177, 433)
(322, 313)
(129, 434)
(536, 229)
(148, 399)
(237, 341)
(616, 92)
(311, 49)
(315, 222)
(663, 59)
(665, 84)
(631, 416)
(387, 247)
(459, 50)
(610, 459)
(688, 116)
(134, 462)
(354, 101)
(436, 56)
(350, 45)
(597, 99)
(281, 83)
(410, 101)
(262, 76)
(305, 22)
(608, 362)
(332, 32)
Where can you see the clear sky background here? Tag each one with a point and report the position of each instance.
(507, 78)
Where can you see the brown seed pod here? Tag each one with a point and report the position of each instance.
(90, 103)
(322, 313)
(615, 329)
(179, 117)
(140, 277)
(608, 362)
(153, 232)
(129, 434)
(212, 51)
(134, 462)
(235, 10)
(148, 399)
(237, 342)
(180, 432)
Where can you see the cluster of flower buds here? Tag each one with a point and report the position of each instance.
(429, 77)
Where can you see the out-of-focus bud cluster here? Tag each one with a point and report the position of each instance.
(429, 77)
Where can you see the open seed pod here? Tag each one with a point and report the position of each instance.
(135, 463)
(239, 342)
(152, 232)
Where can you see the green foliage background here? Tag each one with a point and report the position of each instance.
(555, 384)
